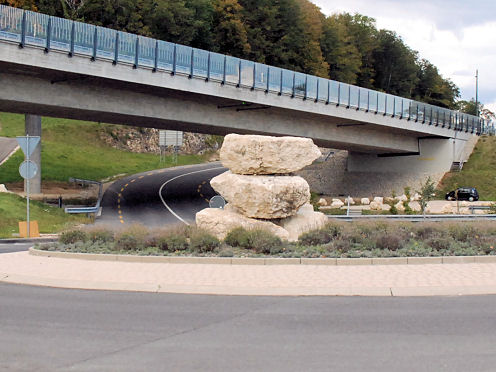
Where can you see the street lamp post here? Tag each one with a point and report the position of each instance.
(477, 93)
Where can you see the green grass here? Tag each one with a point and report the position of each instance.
(72, 148)
(478, 172)
(50, 219)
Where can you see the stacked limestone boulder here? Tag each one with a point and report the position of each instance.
(259, 190)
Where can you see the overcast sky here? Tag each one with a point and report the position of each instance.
(457, 36)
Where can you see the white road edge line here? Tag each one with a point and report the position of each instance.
(174, 178)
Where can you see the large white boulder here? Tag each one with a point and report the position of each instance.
(336, 203)
(375, 206)
(402, 198)
(3, 188)
(379, 200)
(305, 220)
(219, 222)
(415, 197)
(253, 154)
(266, 197)
(365, 201)
(400, 207)
(322, 202)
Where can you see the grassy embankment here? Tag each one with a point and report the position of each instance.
(70, 148)
(50, 219)
(478, 172)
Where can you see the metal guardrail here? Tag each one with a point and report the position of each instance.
(417, 218)
(75, 38)
(87, 209)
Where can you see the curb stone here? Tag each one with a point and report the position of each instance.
(266, 261)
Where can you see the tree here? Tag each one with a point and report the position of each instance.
(72, 8)
(340, 51)
(364, 36)
(395, 65)
(426, 192)
(23, 4)
(230, 33)
(432, 88)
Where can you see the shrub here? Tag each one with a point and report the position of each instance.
(388, 241)
(439, 243)
(201, 241)
(128, 242)
(172, 243)
(316, 237)
(237, 237)
(100, 235)
(261, 241)
(226, 252)
(73, 236)
(462, 232)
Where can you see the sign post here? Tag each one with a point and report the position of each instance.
(28, 169)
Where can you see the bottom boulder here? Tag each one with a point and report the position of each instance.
(305, 220)
(220, 221)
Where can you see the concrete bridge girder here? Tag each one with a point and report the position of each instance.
(98, 101)
(187, 101)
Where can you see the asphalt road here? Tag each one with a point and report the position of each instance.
(166, 196)
(7, 145)
(46, 329)
(14, 247)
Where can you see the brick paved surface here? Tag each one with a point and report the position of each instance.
(296, 280)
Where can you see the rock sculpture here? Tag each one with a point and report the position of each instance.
(259, 192)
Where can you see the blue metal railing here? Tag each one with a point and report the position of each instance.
(51, 33)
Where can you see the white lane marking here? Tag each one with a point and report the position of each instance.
(174, 178)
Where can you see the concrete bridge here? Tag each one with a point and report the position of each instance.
(56, 67)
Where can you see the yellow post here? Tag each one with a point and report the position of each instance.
(33, 229)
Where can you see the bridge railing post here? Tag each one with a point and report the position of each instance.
(328, 92)
(155, 59)
(305, 95)
(208, 67)
(174, 60)
(48, 35)
(23, 30)
(339, 94)
(136, 53)
(191, 63)
(95, 44)
(116, 49)
(280, 86)
(317, 95)
(294, 83)
(239, 73)
(268, 80)
(254, 76)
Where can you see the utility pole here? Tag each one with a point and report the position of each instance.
(477, 93)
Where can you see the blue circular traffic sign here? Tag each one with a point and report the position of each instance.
(28, 169)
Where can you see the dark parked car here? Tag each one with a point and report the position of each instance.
(463, 193)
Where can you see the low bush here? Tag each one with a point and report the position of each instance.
(237, 237)
(73, 236)
(100, 235)
(128, 242)
(202, 242)
(173, 242)
(262, 241)
(316, 237)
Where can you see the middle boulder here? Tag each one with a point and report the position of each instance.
(266, 197)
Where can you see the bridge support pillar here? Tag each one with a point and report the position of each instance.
(382, 174)
(33, 128)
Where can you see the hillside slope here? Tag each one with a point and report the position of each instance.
(478, 172)
(72, 148)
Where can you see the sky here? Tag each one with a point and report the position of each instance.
(457, 36)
